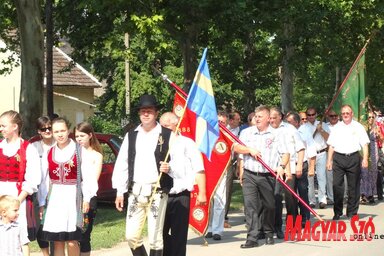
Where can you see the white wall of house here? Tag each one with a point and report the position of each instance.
(9, 86)
(74, 111)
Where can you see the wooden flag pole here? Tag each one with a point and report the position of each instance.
(177, 88)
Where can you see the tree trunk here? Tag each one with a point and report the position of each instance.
(32, 63)
(287, 72)
(189, 61)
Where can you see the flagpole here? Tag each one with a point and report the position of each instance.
(178, 89)
(347, 77)
(157, 185)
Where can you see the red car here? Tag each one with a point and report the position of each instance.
(111, 145)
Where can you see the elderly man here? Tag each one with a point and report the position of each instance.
(345, 141)
(185, 167)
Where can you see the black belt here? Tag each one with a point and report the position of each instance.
(322, 150)
(262, 174)
(347, 154)
(182, 193)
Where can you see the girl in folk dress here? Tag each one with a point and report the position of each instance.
(19, 161)
(67, 199)
(46, 141)
(86, 137)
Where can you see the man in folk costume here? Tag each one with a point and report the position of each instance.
(136, 171)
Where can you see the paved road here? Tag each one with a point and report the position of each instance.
(235, 236)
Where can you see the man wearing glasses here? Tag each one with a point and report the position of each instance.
(345, 141)
(320, 132)
(303, 117)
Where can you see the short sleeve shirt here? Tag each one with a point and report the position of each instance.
(270, 143)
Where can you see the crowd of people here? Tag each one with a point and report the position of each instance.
(158, 167)
(57, 174)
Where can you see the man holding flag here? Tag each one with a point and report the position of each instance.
(137, 171)
(199, 121)
(261, 141)
(186, 167)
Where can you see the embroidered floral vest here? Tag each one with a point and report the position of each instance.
(62, 173)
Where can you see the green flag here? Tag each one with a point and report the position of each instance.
(352, 91)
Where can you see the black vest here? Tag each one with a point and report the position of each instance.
(166, 182)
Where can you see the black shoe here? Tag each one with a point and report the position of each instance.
(249, 244)
(322, 205)
(371, 200)
(279, 234)
(269, 240)
(216, 237)
(364, 200)
(260, 236)
(336, 217)
(209, 235)
(312, 205)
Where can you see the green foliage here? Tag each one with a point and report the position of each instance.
(103, 124)
(246, 42)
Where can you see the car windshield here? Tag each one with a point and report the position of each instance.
(116, 141)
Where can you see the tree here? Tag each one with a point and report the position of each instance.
(32, 62)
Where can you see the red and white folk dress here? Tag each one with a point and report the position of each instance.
(60, 223)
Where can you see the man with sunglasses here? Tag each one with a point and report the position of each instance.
(320, 132)
(345, 141)
(333, 119)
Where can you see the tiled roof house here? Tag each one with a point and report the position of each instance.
(73, 88)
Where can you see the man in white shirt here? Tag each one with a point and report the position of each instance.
(186, 167)
(137, 171)
(305, 163)
(320, 133)
(234, 126)
(261, 141)
(296, 148)
(345, 141)
(333, 119)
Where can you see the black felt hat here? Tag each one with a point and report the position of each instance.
(147, 101)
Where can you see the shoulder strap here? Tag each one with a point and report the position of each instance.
(79, 194)
(22, 163)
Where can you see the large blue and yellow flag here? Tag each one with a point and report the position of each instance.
(201, 102)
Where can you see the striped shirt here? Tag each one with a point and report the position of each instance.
(271, 145)
(13, 237)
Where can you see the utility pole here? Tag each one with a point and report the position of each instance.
(49, 56)
(127, 84)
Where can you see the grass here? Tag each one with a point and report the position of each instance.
(237, 201)
(109, 228)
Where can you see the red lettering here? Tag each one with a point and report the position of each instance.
(332, 232)
(316, 234)
(341, 228)
(293, 231)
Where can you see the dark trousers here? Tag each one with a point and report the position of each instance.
(379, 185)
(301, 186)
(231, 176)
(85, 243)
(350, 166)
(175, 231)
(290, 202)
(259, 187)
